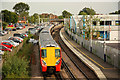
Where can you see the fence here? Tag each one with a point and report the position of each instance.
(112, 54)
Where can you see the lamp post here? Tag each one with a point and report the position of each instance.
(104, 43)
(91, 34)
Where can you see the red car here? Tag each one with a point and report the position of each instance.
(7, 44)
(4, 48)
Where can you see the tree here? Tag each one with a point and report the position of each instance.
(82, 13)
(87, 11)
(9, 17)
(21, 7)
(60, 17)
(66, 14)
(15, 67)
(116, 12)
(36, 17)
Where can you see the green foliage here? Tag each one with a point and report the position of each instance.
(116, 12)
(4, 24)
(87, 11)
(21, 7)
(66, 14)
(9, 17)
(26, 14)
(82, 13)
(60, 17)
(15, 67)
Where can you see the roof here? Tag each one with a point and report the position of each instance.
(46, 39)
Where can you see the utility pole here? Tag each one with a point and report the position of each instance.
(91, 33)
(104, 44)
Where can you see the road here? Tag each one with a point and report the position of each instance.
(12, 32)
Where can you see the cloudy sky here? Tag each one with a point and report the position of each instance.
(56, 7)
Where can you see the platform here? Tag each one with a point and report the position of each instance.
(97, 64)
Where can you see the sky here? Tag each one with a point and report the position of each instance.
(56, 7)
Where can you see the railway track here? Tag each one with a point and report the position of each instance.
(71, 75)
(85, 70)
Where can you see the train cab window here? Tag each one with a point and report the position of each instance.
(43, 53)
(57, 52)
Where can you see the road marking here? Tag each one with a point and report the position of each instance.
(87, 55)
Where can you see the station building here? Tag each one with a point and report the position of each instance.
(108, 25)
(99, 34)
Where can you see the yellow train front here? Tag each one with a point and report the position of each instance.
(50, 52)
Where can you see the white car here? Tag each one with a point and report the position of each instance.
(1, 33)
(19, 27)
(19, 38)
(5, 32)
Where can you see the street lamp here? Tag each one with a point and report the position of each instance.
(91, 34)
(104, 43)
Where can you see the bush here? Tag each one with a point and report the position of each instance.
(15, 67)
(4, 24)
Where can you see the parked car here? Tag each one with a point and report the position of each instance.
(30, 29)
(4, 48)
(25, 34)
(7, 44)
(12, 42)
(8, 29)
(19, 35)
(1, 33)
(14, 39)
(19, 38)
(19, 27)
(5, 32)
(14, 29)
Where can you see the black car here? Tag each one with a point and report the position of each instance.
(8, 29)
(30, 29)
(13, 29)
(19, 35)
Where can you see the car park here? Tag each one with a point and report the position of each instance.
(7, 44)
(8, 29)
(25, 34)
(12, 42)
(19, 35)
(14, 29)
(14, 39)
(19, 27)
(1, 33)
(5, 32)
(19, 38)
(4, 48)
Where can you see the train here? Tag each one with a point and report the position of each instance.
(49, 52)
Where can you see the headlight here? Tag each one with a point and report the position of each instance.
(57, 62)
(44, 62)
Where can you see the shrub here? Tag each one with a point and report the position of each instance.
(15, 67)
(4, 24)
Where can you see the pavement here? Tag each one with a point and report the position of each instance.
(110, 71)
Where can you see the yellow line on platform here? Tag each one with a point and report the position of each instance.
(86, 55)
